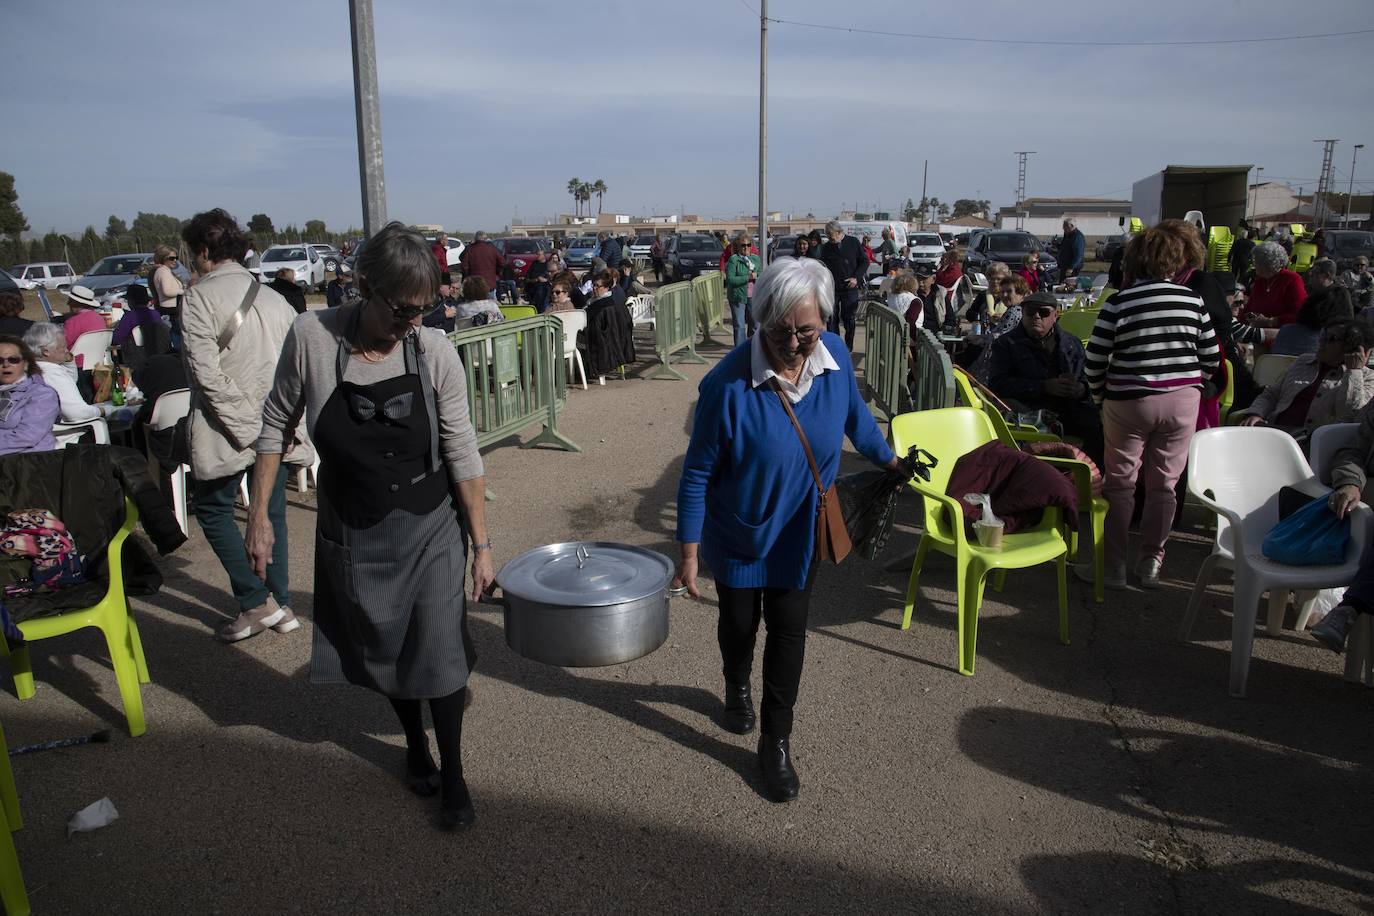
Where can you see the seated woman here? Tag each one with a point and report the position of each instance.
(610, 328)
(1350, 472)
(1326, 301)
(12, 320)
(986, 306)
(904, 292)
(560, 292)
(154, 334)
(1329, 386)
(1039, 365)
(49, 348)
(477, 301)
(1276, 292)
(1014, 291)
(28, 407)
(1030, 272)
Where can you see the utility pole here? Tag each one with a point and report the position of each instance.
(369, 115)
(1021, 185)
(1259, 171)
(763, 131)
(925, 173)
(1351, 193)
(1320, 205)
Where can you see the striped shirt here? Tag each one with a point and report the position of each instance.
(1152, 338)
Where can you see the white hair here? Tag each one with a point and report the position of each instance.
(1271, 256)
(41, 336)
(788, 282)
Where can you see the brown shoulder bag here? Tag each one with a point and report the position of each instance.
(832, 537)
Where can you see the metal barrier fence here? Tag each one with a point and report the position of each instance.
(892, 353)
(932, 374)
(516, 377)
(675, 328)
(709, 289)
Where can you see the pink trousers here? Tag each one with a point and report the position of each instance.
(1147, 438)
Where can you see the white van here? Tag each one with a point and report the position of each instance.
(875, 229)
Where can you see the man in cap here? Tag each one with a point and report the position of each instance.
(340, 289)
(1038, 365)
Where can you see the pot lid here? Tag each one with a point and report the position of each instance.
(585, 574)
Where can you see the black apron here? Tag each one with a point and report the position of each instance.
(389, 550)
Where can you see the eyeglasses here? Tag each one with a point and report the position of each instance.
(1043, 311)
(11, 360)
(803, 335)
(406, 311)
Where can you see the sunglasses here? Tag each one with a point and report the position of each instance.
(11, 360)
(406, 311)
(1043, 311)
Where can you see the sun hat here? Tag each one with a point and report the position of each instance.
(82, 296)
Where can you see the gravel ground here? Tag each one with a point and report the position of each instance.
(1113, 775)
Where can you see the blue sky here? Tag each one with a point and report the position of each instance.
(489, 108)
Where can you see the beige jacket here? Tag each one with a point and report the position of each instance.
(1338, 399)
(228, 389)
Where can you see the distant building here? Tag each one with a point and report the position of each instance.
(1044, 216)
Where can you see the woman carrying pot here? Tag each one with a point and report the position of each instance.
(401, 487)
(748, 500)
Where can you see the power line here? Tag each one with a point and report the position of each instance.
(1064, 43)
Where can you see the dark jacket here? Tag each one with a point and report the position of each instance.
(846, 262)
(437, 318)
(1213, 295)
(1323, 305)
(610, 336)
(1021, 486)
(1020, 366)
(1071, 249)
(336, 293)
(13, 324)
(482, 259)
(1242, 249)
(290, 292)
(610, 253)
(85, 486)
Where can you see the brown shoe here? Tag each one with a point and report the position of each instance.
(251, 623)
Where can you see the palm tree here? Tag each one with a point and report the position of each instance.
(599, 188)
(575, 189)
(584, 192)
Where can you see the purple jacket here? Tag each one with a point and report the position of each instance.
(27, 414)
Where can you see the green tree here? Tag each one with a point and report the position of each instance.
(261, 224)
(12, 221)
(315, 229)
(584, 194)
(575, 189)
(909, 211)
(115, 228)
(91, 247)
(965, 206)
(54, 247)
(155, 227)
(599, 189)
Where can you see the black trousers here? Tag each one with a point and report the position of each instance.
(784, 612)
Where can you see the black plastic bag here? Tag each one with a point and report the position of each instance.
(868, 500)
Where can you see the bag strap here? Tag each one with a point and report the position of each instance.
(806, 446)
(236, 320)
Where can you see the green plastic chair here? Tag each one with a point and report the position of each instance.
(1228, 394)
(1079, 323)
(12, 893)
(964, 386)
(1107, 293)
(113, 618)
(949, 433)
(1083, 482)
(516, 312)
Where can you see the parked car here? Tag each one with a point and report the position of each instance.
(1010, 246)
(47, 274)
(303, 259)
(111, 276)
(520, 253)
(1106, 249)
(926, 249)
(8, 280)
(947, 238)
(455, 251)
(639, 247)
(581, 251)
(331, 256)
(1345, 245)
(690, 254)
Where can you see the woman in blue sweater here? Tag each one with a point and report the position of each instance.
(747, 501)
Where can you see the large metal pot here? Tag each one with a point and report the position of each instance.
(585, 604)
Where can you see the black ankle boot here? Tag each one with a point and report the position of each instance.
(456, 812)
(739, 709)
(779, 776)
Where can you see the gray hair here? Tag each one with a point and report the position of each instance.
(1270, 256)
(41, 336)
(1070, 222)
(786, 284)
(1323, 267)
(996, 269)
(397, 263)
(478, 236)
(833, 225)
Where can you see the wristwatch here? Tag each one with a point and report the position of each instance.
(485, 545)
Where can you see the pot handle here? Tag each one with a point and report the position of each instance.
(492, 598)
(677, 592)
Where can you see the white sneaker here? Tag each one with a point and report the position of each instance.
(252, 622)
(288, 621)
(1112, 577)
(1148, 572)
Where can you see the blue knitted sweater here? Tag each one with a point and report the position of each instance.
(746, 494)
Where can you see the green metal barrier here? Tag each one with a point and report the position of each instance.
(675, 328)
(516, 377)
(709, 289)
(885, 360)
(932, 374)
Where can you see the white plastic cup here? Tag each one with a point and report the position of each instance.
(989, 535)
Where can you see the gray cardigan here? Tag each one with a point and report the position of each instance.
(305, 380)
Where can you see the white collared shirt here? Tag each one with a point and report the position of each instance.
(817, 362)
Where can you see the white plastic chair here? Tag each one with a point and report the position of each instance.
(71, 433)
(642, 309)
(1236, 472)
(1271, 367)
(573, 322)
(170, 407)
(90, 348)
